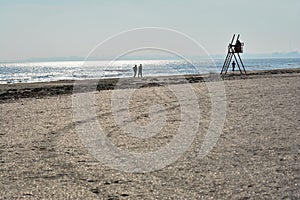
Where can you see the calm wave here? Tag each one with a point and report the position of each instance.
(74, 70)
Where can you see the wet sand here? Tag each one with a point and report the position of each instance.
(257, 155)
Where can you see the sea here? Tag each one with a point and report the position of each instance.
(28, 72)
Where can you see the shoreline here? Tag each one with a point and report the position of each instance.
(11, 92)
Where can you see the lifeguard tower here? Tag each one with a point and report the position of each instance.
(235, 47)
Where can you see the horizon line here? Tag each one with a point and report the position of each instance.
(291, 54)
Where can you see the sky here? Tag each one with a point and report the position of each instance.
(50, 28)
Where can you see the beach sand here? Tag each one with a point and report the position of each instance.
(257, 155)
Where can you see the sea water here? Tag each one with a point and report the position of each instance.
(78, 70)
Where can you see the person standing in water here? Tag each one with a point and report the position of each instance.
(140, 73)
(134, 71)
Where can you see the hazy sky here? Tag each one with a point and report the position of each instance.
(49, 28)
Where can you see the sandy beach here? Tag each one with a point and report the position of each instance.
(256, 157)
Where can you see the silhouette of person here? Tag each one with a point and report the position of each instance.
(134, 71)
(238, 47)
(140, 73)
(233, 65)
